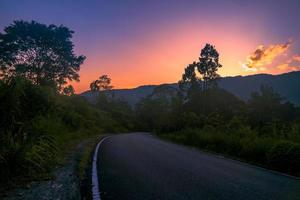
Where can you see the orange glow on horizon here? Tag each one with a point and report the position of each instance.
(161, 56)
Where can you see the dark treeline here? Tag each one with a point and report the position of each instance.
(40, 116)
(264, 130)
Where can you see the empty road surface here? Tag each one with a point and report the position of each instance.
(141, 166)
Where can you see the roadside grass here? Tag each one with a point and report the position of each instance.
(278, 154)
(68, 179)
(65, 145)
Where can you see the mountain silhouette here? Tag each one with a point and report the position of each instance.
(288, 85)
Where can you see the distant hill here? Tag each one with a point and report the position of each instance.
(288, 85)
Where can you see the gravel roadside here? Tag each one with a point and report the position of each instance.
(68, 179)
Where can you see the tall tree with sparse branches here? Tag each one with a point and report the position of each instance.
(208, 65)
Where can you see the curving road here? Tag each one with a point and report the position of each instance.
(141, 166)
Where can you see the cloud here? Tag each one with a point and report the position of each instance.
(296, 58)
(283, 66)
(248, 69)
(291, 64)
(263, 56)
(286, 67)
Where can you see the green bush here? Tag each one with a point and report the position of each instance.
(255, 148)
(285, 156)
(243, 143)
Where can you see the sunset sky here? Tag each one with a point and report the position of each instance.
(140, 42)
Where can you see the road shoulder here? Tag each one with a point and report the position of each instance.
(69, 180)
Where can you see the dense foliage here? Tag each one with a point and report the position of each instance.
(264, 130)
(40, 53)
(37, 124)
(40, 117)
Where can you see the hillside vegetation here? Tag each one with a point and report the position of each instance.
(41, 117)
(265, 129)
(241, 86)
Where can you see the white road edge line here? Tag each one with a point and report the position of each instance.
(95, 183)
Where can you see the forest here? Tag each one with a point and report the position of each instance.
(41, 114)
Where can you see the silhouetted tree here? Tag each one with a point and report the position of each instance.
(208, 65)
(40, 53)
(189, 85)
(267, 106)
(189, 78)
(101, 84)
(69, 90)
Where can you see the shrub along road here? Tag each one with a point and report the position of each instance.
(141, 166)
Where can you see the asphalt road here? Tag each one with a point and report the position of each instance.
(141, 166)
